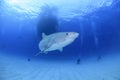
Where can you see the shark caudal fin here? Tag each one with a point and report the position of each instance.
(37, 54)
(41, 53)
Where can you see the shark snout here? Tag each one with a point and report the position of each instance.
(76, 34)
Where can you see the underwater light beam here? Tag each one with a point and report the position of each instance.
(93, 25)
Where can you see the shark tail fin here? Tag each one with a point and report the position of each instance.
(38, 53)
(41, 53)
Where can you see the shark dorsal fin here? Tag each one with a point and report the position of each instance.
(43, 35)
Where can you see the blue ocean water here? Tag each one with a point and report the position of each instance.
(94, 55)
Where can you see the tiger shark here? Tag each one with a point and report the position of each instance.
(56, 41)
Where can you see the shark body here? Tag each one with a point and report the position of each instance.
(56, 41)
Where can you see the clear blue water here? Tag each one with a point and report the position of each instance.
(94, 55)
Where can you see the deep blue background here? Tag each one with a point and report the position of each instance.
(103, 24)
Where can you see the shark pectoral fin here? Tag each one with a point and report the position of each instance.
(61, 49)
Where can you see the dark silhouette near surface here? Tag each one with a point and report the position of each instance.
(48, 21)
